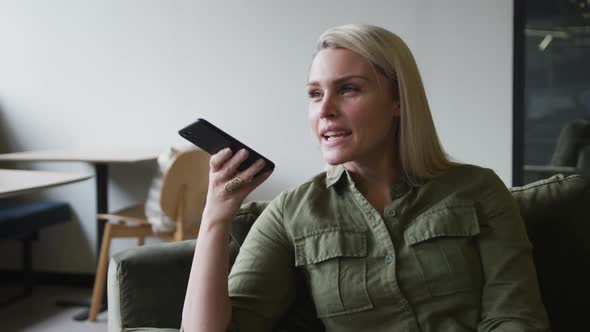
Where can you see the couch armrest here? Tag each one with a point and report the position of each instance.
(534, 173)
(583, 164)
(147, 285)
(550, 170)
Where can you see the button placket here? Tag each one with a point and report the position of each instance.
(400, 189)
(385, 249)
(391, 213)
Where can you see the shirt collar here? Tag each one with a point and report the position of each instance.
(335, 173)
(400, 187)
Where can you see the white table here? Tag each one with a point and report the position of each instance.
(100, 158)
(97, 155)
(18, 182)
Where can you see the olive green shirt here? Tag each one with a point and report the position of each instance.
(450, 254)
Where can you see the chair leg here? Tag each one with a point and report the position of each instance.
(28, 265)
(101, 271)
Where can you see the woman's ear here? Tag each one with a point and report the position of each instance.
(396, 108)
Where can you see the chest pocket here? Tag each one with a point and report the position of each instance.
(444, 244)
(336, 263)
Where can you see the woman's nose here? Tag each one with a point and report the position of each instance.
(328, 107)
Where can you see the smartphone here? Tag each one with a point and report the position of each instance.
(208, 137)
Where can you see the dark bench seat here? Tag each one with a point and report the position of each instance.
(22, 220)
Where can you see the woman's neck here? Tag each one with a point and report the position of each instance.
(374, 179)
(382, 169)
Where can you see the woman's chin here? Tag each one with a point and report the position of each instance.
(332, 163)
(333, 159)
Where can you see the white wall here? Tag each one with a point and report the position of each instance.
(131, 73)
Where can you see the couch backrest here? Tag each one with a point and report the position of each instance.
(556, 212)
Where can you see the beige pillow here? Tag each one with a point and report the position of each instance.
(157, 218)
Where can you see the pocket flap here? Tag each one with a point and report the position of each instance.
(456, 219)
(325, 244)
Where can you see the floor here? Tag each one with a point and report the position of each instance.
(38, 313)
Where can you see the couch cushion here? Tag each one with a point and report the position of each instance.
(543, 200)
(141, 286)
(556, 212)
(142, 298)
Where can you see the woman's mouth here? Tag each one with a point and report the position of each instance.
(333, 136)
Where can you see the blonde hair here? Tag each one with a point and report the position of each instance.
(420, 152)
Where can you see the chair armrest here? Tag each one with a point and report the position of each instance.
(147, 285)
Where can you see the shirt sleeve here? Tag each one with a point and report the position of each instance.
(511, 299)
(262, 280)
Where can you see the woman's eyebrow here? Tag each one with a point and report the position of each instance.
(339, 80)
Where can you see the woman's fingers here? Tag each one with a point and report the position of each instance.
(248, 174)
(224, 167)
(226, 193)
(259, 179)
(249, 179)
(218, 159)
(226, 163)
(230, 168)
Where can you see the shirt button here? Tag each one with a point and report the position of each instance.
(388, 259)
(391, 213)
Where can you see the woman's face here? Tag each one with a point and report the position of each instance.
(352, 110)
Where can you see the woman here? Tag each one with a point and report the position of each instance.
(393, 237)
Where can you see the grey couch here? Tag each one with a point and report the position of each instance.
(146, 285)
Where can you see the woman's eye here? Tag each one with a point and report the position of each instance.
(314, 94)
(348, 89)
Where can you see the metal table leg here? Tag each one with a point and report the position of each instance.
(102, 206)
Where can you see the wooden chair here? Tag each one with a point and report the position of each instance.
(182, 198)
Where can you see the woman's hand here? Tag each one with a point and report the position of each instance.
(206, 304)
(222, 205)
